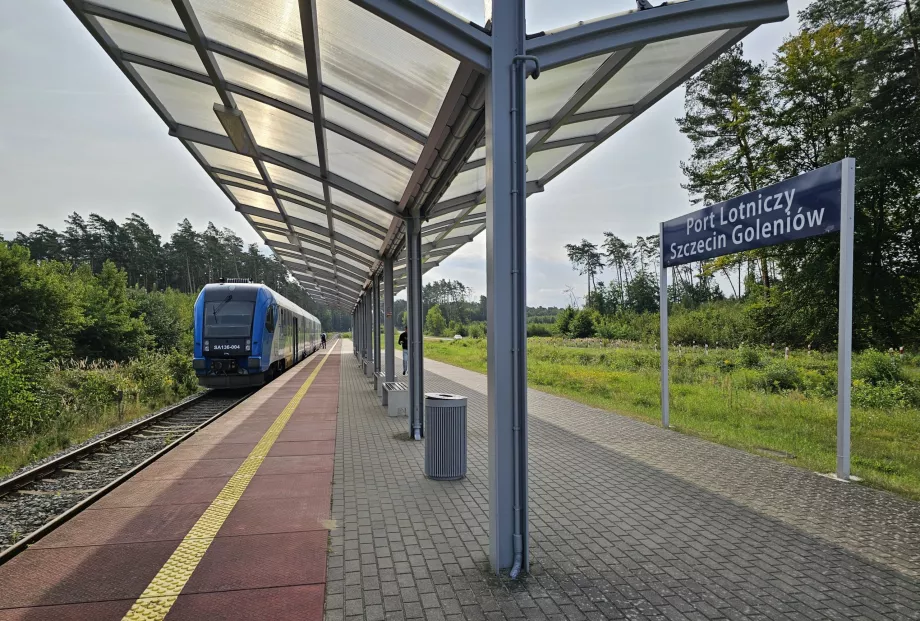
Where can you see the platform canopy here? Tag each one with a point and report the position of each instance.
(327, 122)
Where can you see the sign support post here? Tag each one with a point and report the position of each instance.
(845, 317)
(663, 314)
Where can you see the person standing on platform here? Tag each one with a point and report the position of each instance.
(404, 342)
(322, 340)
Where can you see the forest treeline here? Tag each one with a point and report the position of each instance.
(846, 85)
(185, 263)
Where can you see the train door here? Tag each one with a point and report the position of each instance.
(296, 340)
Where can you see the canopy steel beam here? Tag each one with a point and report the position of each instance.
(193, 134)
(308, 24)
(437, 27)
(447, 147)
(693, 65)
(614, 63)
(641, 27)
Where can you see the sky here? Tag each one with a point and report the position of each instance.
(76, 136)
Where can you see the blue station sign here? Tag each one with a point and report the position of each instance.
(800, 207)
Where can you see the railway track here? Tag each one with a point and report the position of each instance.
(36, 501)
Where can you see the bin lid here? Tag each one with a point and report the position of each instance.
(443, 396)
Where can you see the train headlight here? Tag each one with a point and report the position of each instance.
(248, 343)
(207, 346)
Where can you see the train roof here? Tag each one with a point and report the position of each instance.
(253, 289)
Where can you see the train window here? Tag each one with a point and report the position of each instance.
(270, 319)
(228, 318)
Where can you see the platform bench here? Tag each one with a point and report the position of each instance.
(379, 380)
(397, 398)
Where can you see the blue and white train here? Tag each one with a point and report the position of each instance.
(245, 334)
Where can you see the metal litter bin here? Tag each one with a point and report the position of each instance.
(445, 436)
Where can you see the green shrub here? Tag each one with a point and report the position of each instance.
(749, 357)
(25, 401)
(539, 329)
(184, 380)
(883, 396)
(95, 388)
(819, 384)
(583, 324)
(152, 377)
(877, 368)
(564, 320)
(780, 375)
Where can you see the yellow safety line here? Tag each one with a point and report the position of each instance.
(162, 592)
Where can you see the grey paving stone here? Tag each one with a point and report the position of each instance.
(627, 521)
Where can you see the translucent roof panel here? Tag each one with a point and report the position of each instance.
(276, 237)
(266, 221)
(227, 160)
(161, 11)
(260, 81)
(295, 181)
(358, 234)
(368, 58)
(307, 233)
(304, 213)
(362, 267)
(541, 162)
(344, 216)
(187, 102)
(253, 198)
(368, 128)
(582, 129)
(467, 182)
(470, 229)
(145, 43)
(356, 205)
(275, 129)
(654, 64)
(269, 29)
(368, 168)
(547, 95)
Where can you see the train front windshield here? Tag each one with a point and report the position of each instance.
(228, 318)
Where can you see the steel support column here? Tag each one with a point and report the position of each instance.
(506, 289)
(414, 294)
(390, 366)
(377, 361)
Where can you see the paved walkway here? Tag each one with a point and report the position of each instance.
(627, 521)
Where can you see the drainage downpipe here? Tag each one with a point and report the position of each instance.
(415, 346)
(519, 74)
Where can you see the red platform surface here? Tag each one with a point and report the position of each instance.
(268, 560)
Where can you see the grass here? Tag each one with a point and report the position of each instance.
(716, 397)
(67, 432)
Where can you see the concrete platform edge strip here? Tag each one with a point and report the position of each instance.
(163, 591)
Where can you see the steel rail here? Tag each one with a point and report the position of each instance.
(43, 470)
(60, 519)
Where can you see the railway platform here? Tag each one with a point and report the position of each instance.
(231, 524)
(338, 522)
